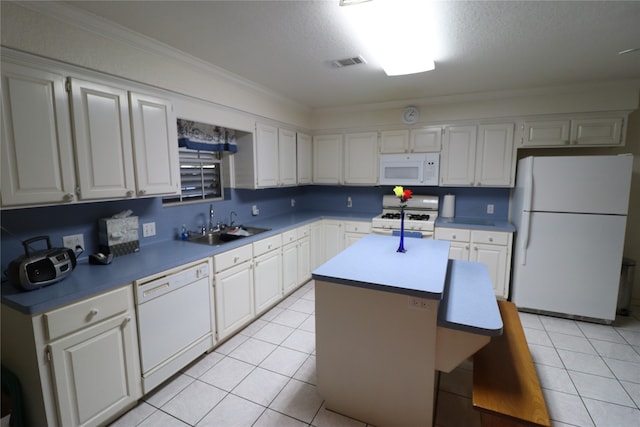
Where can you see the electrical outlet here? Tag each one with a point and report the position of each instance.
(149, 229)
(490, 208)
(349, 202)
(418, 303)
(254, 210)
(73, 241)
(293, 202)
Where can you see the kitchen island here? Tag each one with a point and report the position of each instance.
(387, 321)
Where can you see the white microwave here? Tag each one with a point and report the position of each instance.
(409, 169)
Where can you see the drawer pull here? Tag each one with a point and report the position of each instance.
(454, 236)
(93, 312)
(491, 239)
(235, 259)
(156, 289)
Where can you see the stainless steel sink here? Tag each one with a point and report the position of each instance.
(216, 238)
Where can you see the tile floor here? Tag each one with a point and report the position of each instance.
(265, 376)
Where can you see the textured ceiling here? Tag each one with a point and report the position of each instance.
(481, 46)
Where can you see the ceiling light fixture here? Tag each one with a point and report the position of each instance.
(396, 32)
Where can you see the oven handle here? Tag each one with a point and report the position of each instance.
(390, 232)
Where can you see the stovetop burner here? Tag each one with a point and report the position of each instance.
(413, 217)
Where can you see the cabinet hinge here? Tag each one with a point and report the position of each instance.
(67, 85)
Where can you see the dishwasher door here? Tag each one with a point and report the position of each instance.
(174, 312)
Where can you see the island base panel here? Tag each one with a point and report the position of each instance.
(375, 355)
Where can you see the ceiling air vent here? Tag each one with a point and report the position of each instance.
(346, 62)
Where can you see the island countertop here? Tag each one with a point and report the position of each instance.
(374, 263)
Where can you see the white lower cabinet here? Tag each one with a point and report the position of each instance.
(267, 273)
(296, 258)
(79, 364)
(354, 231)
(316, 246)
(333, 238)
(92, 371)
(234, 290)
(492, 248)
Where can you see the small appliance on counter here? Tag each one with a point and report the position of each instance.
(118, 235)
(38, 268)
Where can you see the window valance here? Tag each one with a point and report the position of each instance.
(204, 137)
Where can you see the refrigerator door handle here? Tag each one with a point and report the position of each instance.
(524, 237)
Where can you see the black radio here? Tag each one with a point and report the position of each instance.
(39, 268)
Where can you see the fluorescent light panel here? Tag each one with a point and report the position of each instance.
(396, 32)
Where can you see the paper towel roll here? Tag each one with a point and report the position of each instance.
(449, 206)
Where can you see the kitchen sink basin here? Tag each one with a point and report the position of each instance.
(217, 238)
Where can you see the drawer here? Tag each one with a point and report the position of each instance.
(289, 236)
(233, 257)
(490, 237)
(303, 231)
(71, 318)
(357, 227)
(265, 245)
(453, 234)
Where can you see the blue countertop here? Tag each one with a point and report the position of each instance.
(476, 224)
(88, 280)
(374, 263)
(464, 289)
(469, 303)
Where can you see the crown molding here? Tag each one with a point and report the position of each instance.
(104, 28)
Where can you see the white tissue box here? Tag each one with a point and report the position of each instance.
(118, 236)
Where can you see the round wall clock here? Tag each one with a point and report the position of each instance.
(410, 115)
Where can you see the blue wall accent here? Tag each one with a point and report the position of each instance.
(58, 221)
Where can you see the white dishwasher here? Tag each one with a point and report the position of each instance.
(175, 321)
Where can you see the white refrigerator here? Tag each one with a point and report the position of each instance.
(570, 215)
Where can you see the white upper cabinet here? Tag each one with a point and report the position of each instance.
(287, 157)
(157, 165)
(268, 160)
(304, 158)
(394, 141)
(267, 157)
(102, 134)
(419, 140)
(37, 150)
(361, 158)
(585, 131)
(495, 163)
(458, 157)
(327, 159)
(478, 156)
(426, 140)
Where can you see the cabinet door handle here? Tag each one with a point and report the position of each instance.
(130, 193)
(126, 320)
(142, 192)
(68, 197)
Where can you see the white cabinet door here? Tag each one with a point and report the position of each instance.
(459, 250)
(289, 267)
(597, 131)
(394, 141)
(234, 299)
(102, 134)
(361, 158)
(495, 258)
(333, 237)
(304, 260)
(155, 144)
(426, 140)
(457, 161)
(546, 133)
(267, 157)
(267, 280)
(316, 254)
(37, 151)
(287, 157)
(495, 165)
(327, 159)
(94, 371)
(304, 159)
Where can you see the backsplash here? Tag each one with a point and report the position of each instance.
(58, 221)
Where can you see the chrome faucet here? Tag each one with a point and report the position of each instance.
(211, 226)
(231, 218)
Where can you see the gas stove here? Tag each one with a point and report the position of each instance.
(420, 215)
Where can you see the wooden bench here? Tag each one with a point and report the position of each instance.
(506, 389)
